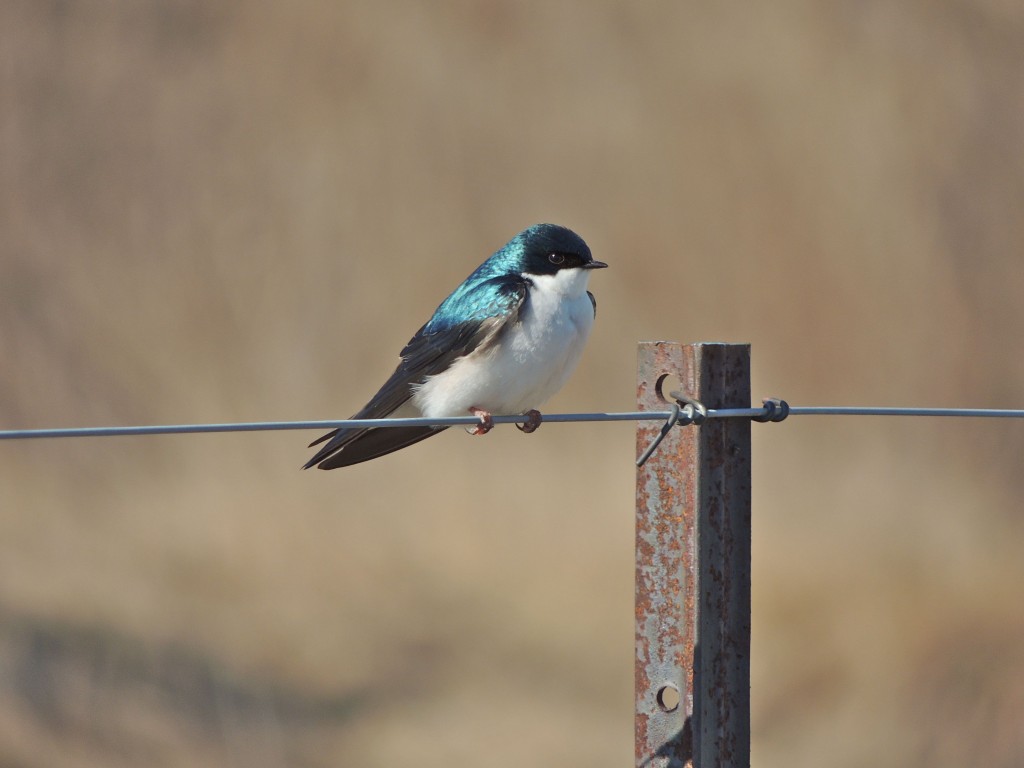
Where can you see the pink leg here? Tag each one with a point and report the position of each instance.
(533, 420)
(486, 421)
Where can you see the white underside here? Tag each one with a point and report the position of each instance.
(529, 363)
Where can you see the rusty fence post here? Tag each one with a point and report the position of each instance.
(693, 565)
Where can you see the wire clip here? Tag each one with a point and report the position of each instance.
(775, 409)
(685, 411)
(695, 412)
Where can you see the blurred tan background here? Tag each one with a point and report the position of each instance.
(241, 211)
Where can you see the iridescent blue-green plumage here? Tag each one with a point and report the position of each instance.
(475, 312)
(495, 287)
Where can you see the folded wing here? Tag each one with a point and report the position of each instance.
(431, 351)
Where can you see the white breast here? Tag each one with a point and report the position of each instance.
(529, 363)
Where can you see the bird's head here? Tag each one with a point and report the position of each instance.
(546, 249)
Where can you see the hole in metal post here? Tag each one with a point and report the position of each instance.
(665, 384)
(668, 698)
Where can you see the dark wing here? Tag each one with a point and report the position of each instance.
(428, 353)
(593, 302)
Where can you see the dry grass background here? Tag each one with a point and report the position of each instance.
(232, 211)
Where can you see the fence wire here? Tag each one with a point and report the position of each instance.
(765, 413)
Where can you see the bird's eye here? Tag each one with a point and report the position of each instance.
(556, 259)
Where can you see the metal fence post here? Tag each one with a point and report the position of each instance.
(693, 565)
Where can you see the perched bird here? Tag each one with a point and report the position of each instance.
(502, 343)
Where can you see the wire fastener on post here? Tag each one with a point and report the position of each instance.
(775, 409)
(685, 411)
(694, 409)
(673, 419)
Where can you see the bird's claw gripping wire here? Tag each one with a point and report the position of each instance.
(533, 420)
(685, 410)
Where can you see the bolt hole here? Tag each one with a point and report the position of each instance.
(668, 698)
(667, 382)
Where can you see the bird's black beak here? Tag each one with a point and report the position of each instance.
(594, 265)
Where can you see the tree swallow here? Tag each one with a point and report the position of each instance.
(503, 342)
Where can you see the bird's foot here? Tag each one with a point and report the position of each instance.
(486, 421)
(533, 420)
